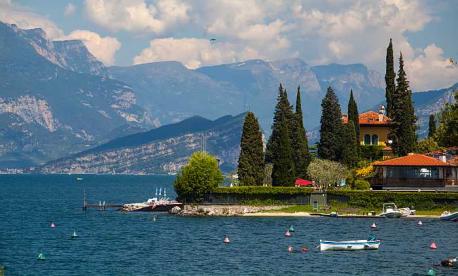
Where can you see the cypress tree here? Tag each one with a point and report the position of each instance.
(353, 115)
(390, 77)
(431, 126)
(349, 145)
(330, 145)
(283, 165)
(403, 121)
(251, 159)
(299, 141)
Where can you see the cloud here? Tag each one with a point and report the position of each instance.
(137, 15)
(193, 52)
(103, 48)
(431, 70)
(26, 19)
(69, 9)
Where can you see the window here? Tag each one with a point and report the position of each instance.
(367, 139)
(375, 139)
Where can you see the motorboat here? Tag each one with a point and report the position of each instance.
(405, 212)
(449, 216)
(390, 210)
(369, 244)
(159, 203)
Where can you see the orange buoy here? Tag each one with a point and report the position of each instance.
(287, 233)
(226, 239)
(433, 245)
(304, 249)
(290, 249)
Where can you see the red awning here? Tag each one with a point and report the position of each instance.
(303, 182)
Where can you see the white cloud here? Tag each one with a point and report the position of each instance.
(193, 52)
(26, 19)
(137, 15)
(103, 48)
(431, 70)
(70, 9)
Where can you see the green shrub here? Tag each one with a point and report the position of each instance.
(371, 152)
(361, 184)
(262, 190)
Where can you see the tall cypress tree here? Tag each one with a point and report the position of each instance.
(349, 145)
(353, 115)
(431, 126)
(390, 77)
(299, 141)
(330, 145)
(403, 115)
(283, 165)
(251, 159)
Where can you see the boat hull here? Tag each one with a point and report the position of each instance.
(392, 215)
(349, 245)
(450, 217)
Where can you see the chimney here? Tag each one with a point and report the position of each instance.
(381, 113)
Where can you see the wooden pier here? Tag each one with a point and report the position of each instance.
(101, 206)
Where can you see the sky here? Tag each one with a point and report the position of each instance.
(208, 32)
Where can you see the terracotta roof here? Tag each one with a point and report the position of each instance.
(413, 160)
(370, 118)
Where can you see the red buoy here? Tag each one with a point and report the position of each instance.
(433, 245)
(304, 249)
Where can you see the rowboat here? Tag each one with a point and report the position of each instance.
(349, 245)
(449, 216)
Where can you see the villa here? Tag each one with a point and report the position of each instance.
(415, 171)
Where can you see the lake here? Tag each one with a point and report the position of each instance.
(115, 243)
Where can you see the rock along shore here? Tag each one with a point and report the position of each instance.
(225, 210)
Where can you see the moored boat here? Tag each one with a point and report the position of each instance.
(390, 210)
(349, 245)
(155, 204)
(449, 216)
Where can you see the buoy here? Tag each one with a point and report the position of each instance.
(431, 272)
(287, 233)
(373, 226)
(226, 239)
(420, 223)
(41, 257)
(433, 245)
(291, 228)
(290, 249)
(74, 235)
(304, 249)
(53, 225)
(154, 218)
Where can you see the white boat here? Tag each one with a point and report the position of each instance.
(390, 210)
(160, 203)
(449, 216)
(405, 212)
(349, 245)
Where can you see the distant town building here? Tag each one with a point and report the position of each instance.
(415, 171)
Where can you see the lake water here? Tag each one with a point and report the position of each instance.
(115, 243)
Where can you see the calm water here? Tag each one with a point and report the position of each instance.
(114, 243)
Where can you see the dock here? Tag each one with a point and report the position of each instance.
(101, 205)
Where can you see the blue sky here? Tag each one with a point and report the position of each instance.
(125, 32)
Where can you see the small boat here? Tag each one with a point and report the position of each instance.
(369, 244)
(405, 212)
(390, 210)
(449, 216)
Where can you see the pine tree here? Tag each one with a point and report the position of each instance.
(390, 77)
(251, 160)
(283, 165)
(403, 115)
(349, 145)
(353, 115)
(330, 145)
(299, 141)
(431, 126)
(283, 107)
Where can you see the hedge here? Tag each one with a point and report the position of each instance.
(375, 200)
(262, 190)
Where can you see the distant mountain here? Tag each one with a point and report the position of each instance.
(161, 150)
(431, 102)
(171, 92)
(55, 99)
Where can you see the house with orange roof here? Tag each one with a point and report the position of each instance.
(374, 128)
(415, 171)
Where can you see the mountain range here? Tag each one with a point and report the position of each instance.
(57, 99)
